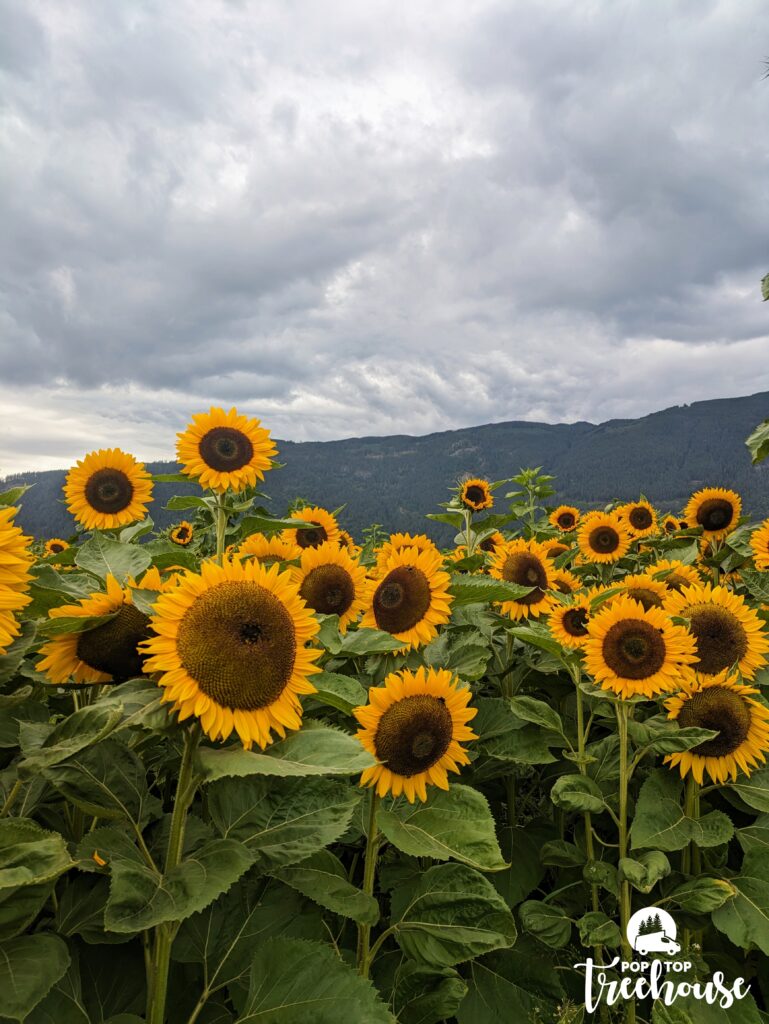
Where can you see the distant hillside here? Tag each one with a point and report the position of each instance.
(396, 480)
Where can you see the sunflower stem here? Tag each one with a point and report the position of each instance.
(221, 527)
(369, 875)
(11, 798)
(625, 898)
(469, 534)
(157, 983)
(691, 863)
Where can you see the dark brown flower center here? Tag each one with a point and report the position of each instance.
(671, 526)
(715, 514)
(225, 449)
(574, 621)
(526, 570)
(645, 596)
(640, 517)
(566, 520)
(721, 638)
(328, 589)
(721, 709)
(109, 491)
(488, 544)
(475, 495)
(112, 647)
(634, 649)
(556, 549)
(238, 643)
(402, 599)
(604, 540)
(561, 585)
(312, 537)
(413, 734)
(55, 547)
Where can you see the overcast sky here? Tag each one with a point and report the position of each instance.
(364, 217)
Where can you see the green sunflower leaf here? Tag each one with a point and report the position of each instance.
(323, 879)
(103, 556)
(30, 965)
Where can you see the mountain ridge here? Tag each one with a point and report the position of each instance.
(395, 479)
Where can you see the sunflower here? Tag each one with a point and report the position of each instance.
(674, 574)
(727, 630)
(269, 549)
(108, 488)
(55, 546)
(325, 527)
(398, 541)
(565, 517)
(563, 581)
(182, 533)
(759, 542)
(231, 647)
(715, 510)
(568, 622)
(554, 548)
(108, 652)
(603, 537)
(410, 596)
(492, 543)
(345, 540)
(670, 524)
(640, 517)
(332, 582)
(525, 563)
(414, 725)
(15, 562)
(634, 651)
(225, 449)
(458, 554)
(725, 705)
(475, 494)
(643, 587)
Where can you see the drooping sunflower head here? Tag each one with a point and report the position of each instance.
(224, 450)
(725, 705)
(475, 494)
(603, 537)
(182, 533)
(716, 510)
(525, 563)
(409, 596)
(639, 517)
(759, 542)
(109, 652)
(268, 550)
(346, 541)
(568, 622)
(332, 582)
(727, 631)
(565, 518)
(670, 524)
(324, 527)
(674, 574)
(634, 651)
(492, 543)
(398, 541)
(555, 548)
(231, 647)
(55, 546)
(107, 489)
(414, 726)
(15, 562)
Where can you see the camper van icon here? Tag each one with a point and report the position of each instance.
(652, 930)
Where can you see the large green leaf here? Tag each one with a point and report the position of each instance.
(222, 937)
(660, 823)
(297, 982)
(103, 557)
(510, 985)
(338, 691)
(107, 780)
(702, 895)
(30, 965)
(577, 793)
(745, 917)
(529, 709)
(29, 854)
(426, 995)
(450, 914)
(481, 589)
(547, 922)
(753, 789)
(282, 821)
(758, 442)
(454, 824)
(20, 906)
(323, 879)
(63, 1004)
(85, 727)
(645, 871)
(314, 750)
(141, 898)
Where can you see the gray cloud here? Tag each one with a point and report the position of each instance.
(370, 218)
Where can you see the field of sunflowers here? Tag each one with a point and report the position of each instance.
(256, 770)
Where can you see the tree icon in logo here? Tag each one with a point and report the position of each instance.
(652, 930)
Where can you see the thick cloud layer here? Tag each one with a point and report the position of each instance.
(374, 218)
